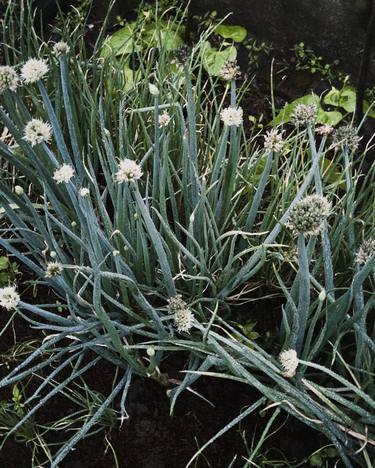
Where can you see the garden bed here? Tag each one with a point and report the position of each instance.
(194, 247)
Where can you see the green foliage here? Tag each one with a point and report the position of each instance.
(323, 117)
(8, 270)
(213, 59)
(319, 458)
(307, 59)
(346, 98)
(343, 99)
(136, 37)
(236, 33)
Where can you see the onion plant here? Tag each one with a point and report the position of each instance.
(149, 212)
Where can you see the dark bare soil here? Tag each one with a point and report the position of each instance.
(150, 437)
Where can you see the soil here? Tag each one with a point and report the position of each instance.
(150, 437)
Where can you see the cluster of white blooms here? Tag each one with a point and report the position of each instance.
(37, 131)
(365, 251)
(324, 130)
(308, 215)
(9, 298)
(8, 79)
(230, 70)
(273, 141)
(53, 269)
(164, 119)
(304, 114)
(232, 116)
(34, 70)
(63, 174)
(182, 315)
(128, 170)
(289, 362)
(60, 48)
(84, 192)
(347, 136)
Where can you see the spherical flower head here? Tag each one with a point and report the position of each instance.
(289, 362)
(308, 215)
(346, 136)
(304, 115)
(37, 131)
(164, 119)
(53, 269)
(365, 251)
(232, 116)
(63, 174)
(34, 70)
(60, 48)
(324, 130)
(273, 141)
(84, 192)
(183, 320)
(128, 170)
(230, 71)
(8, 79)
(9, 298)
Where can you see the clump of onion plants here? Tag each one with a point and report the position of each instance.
(150, 211)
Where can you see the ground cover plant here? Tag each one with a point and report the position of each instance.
(152, 209)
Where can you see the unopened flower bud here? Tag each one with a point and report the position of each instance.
(18, 190)
(322, 295)
(150, 352)
(153, 89)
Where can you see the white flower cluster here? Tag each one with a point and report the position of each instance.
(53, 269)
(289, 362)
(60, 48)
(164, 119)
(273, 141)
(9, 298)
(182, 315)
(308, 215)
(34, 70)
(304, 114)
(84, 192)
(324, 130)
(63, 174)
(230, 71)
(365, 251)
(128, 170)
(232, 116)
(8, 79)
(37, 131)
